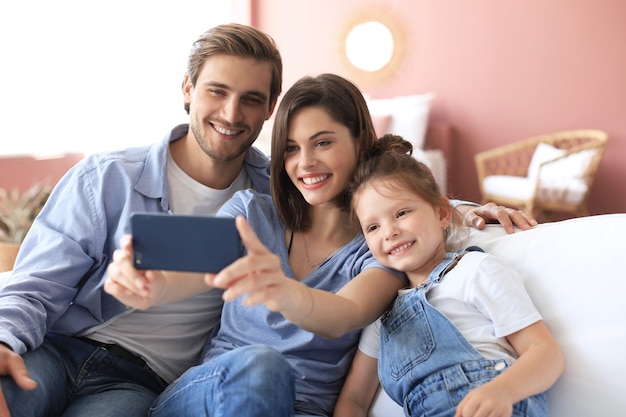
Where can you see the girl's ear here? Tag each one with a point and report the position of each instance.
(445, 212)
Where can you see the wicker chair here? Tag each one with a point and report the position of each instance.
(541, 179)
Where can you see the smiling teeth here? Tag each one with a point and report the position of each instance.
(400, 248)
(224, 131)
(314, 180)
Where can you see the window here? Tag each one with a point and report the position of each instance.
(94, 75)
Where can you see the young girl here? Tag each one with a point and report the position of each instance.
(465, 339)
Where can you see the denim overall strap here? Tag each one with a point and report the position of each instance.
(449, 261)
(422, 351)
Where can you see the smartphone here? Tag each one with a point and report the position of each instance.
(184, 242)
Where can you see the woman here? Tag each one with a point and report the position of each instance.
(322, 131)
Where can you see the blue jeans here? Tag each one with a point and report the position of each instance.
(75, 378)
(250, 381)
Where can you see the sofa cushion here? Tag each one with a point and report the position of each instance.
(566, 190)
(574, 271)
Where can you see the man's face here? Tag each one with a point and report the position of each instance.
(229, 104)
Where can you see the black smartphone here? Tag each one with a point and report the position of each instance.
(184, 242)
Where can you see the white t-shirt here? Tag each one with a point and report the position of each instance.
(484, 298)
(188, 196)
(170, 338)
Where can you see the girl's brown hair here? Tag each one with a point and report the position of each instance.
(391, 162)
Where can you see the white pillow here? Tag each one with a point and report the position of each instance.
(409, 115)
(572, 166)
(381, 124)
(543, 153)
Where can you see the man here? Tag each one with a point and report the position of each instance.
(80, 349)
(86, 353)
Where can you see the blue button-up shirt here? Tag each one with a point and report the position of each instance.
(57, 282)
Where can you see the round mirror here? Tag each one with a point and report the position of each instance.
(372, 46)
(369, 46)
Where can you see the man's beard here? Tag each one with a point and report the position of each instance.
(204, 144)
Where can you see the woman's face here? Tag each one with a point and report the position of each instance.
(320, 157)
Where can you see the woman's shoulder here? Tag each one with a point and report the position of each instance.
(255, 206)
(249, 195)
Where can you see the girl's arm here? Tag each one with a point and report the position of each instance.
(539, 365)
(142, 289)
(357, 394)
(259, 277)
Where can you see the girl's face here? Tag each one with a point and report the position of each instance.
(402, 230)
(320, 157)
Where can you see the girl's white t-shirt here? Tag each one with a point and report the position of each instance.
(484, 298)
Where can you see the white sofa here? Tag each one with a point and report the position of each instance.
(575, 271)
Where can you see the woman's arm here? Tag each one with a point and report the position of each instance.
(478, 216)
(142, 289)
(259, 277)
(358, 391)
(539, 365)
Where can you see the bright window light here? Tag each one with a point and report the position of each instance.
(88, 76)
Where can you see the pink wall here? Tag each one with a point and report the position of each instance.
(24, 171)
(501, 71)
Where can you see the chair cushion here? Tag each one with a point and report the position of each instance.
(572, 166)
(543, 153)
(566, 190)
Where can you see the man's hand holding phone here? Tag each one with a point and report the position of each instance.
(135, 288)
(163, 241)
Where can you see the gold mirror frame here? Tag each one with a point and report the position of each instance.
(374, 19)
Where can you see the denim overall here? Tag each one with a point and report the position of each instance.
(425, 363)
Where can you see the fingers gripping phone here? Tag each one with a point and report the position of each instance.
(184, 242)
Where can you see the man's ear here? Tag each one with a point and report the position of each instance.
(186, 87)
(271, 108)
